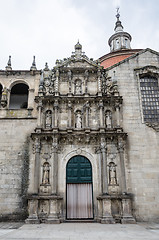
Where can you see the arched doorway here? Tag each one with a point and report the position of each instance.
(79, 188)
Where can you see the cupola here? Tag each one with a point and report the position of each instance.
(120, 39)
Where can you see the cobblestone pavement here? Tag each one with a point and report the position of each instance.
(79, 231)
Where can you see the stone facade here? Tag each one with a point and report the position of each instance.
(79, 109)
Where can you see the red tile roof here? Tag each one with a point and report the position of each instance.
(110, 59)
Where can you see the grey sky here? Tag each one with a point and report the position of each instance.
(49, 29)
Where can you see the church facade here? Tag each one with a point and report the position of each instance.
(80, 141)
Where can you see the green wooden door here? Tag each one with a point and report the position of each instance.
(79, 188)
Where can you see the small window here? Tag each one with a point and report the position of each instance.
(19, 96)
(117, 43)
(126, 42)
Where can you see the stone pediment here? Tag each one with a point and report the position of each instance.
(73, 62)
(78, 59)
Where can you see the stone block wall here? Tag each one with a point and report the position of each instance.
(14, 164)
(142, 166)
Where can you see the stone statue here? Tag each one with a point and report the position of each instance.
(46, 173)
(78, 87)
(78, 119)
(112, 174)
(48, 119)
(4, 97)
(108, 119)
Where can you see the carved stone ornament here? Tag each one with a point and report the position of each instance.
(155, 126)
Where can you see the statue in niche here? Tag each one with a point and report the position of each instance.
(78, 87)
(108, 119)
(4, 97)
(112, 173)
(46, 173)
(48, 119)
(78, 119)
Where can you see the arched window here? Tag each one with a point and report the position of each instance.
(19, 96)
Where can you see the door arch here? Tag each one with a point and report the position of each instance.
(79, 188)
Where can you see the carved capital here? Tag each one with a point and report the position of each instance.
(69, 105)
(56, 104)
(40, 104)
(36, 145)
(121, 145)
(103, 145)
(101, 104)
(69, 74)
(55, 145)
(57, 73)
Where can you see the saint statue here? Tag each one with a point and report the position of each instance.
(108, 119)
(46, 173)
(48, 119)
(78, 119)
(78, 87)
(112, 174)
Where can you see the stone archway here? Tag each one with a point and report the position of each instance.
(79, 188)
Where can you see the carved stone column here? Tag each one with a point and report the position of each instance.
(86, 75)
(39, 114)
(100, 173)
(117, 108)
(69, 80)
(57, 74)
(104, 168)
(31, 98)
(87, 115)
(55, 166)
(37, 148)
(122, 165)
(99, 81)
(69, 114)
(56, 113)
(101, 113)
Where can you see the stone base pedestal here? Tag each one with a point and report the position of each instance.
(33, 212)
(105, 212)
(127, 211)
(128, 220)
(54, 215)
(46, 209)
(32, 220)
(115, 209)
